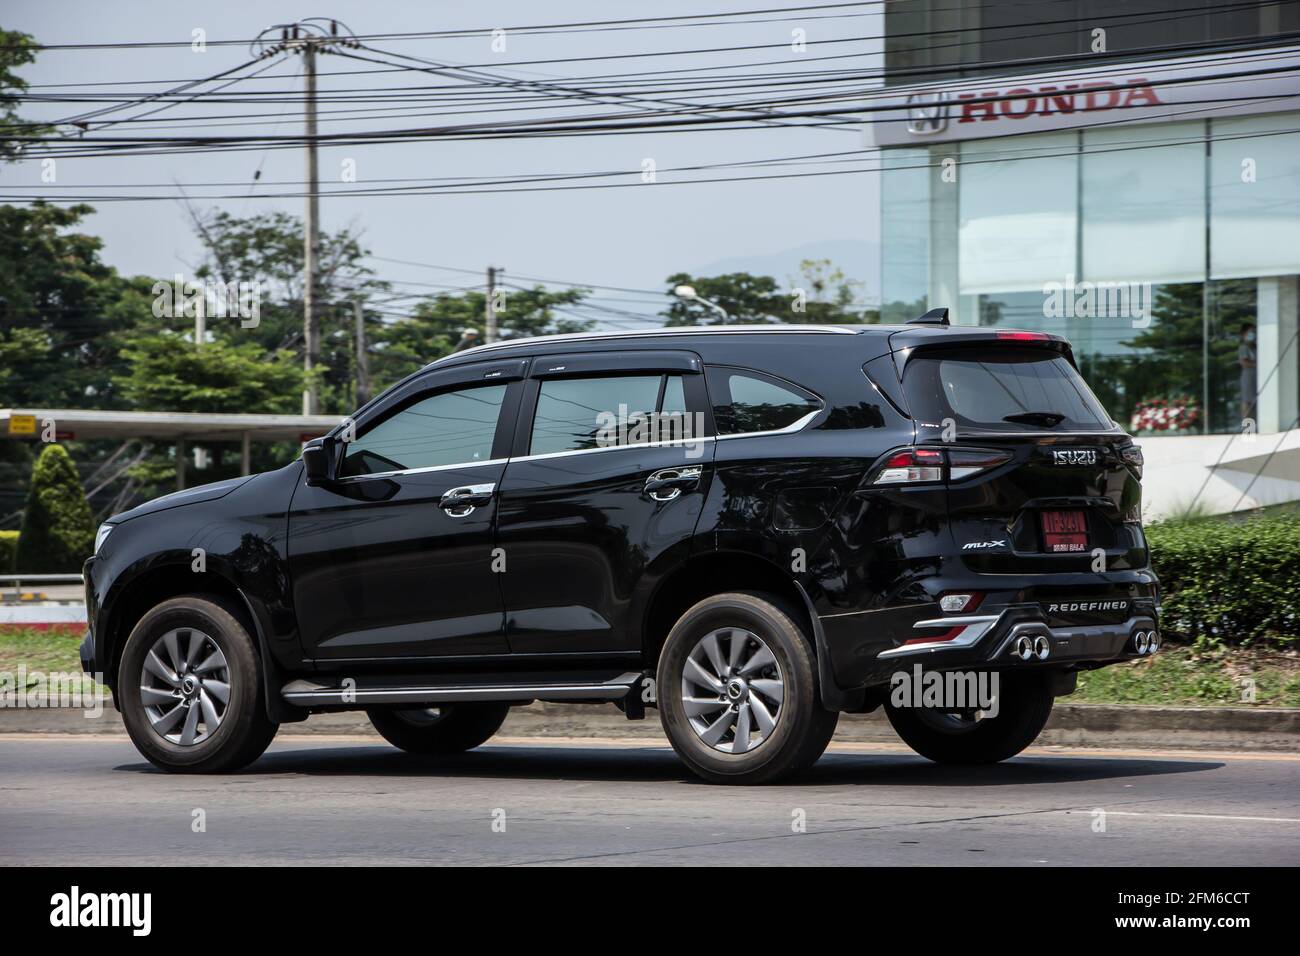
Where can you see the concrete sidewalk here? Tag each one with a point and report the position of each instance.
(1072, 725)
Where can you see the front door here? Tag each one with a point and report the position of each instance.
(392, 558)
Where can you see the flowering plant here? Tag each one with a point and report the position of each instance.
(1165, 415)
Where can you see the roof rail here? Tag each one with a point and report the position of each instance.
(660, 331)
(933, 317)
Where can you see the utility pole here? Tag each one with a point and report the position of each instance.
(311, 241)
(491, 303)
(308, 37)
(363, 360)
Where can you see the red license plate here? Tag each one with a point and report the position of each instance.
(1065, 531)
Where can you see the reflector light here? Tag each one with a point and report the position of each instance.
(952, 603)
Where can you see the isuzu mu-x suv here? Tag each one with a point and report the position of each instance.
(751, 529)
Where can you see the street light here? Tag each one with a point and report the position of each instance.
(688, 293)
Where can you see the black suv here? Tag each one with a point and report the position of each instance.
(752, 529)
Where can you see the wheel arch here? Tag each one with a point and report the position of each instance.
(174, 579)
(716, 572)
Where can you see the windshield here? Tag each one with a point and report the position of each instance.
(1009, 389)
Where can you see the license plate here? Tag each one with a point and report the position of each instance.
(1065, 531)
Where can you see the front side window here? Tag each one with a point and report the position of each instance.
(748, 401)
(574, 414)
(449, 428)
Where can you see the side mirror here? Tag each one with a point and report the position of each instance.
(316, 456)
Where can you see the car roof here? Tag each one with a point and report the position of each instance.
(578, 341)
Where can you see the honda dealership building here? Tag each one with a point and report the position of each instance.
(1090, 169)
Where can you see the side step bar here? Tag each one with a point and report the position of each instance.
(308, 694)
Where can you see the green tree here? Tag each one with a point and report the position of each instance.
(58, 531)
(830, 297)
(268, 249)
(821, 293)
(16, 49)
(167, 373)
(60, 308)
(746, 299)
(437, 324)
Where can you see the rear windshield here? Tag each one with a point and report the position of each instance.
(1001, 389)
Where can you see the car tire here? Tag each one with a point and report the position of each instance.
(1024, 706)
(759, 679)
(449, 729)
(201, 652)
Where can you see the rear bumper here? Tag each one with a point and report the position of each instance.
(1067, 624)
(1020, 637)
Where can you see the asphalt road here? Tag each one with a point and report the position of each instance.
(78, 800)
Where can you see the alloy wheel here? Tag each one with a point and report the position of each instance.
(185, 686)
(732, 690)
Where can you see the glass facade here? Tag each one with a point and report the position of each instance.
(926, 38)
(1168, 253)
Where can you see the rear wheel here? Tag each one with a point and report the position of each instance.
(737, 688)
(970, 737)
(447, 729)
(190, 686)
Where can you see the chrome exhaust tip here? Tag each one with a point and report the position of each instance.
(1141, 642)
(1023, 648)
(1042, 647)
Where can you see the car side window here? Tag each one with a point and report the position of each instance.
(580, 413)
(748, 401)
(448, 428)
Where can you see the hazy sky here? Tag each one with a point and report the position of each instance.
(631, 237)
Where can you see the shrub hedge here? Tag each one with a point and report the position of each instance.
(58, 530)
(8, 551)
(1230, 581)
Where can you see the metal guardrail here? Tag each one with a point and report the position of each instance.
(46, 578)
(18, 580)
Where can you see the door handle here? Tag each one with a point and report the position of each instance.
(667, 484)
(459, 502)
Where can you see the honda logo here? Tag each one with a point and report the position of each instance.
(927, 113)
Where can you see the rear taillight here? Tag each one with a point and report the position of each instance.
(911, 465)
(1133, 458)
(964, 462)
(921, 465)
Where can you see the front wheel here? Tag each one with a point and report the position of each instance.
(448, 729)
(969, 737)
(737, 687)
(190, 686)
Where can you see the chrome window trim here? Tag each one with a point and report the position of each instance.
(790, 429)
(421, 471)
(681, 443)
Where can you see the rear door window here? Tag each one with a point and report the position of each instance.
(574, 414)
(1001, 389)
(748, 401)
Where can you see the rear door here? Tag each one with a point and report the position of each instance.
(1040, 478)
(606, 484)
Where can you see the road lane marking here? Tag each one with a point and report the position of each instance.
(1202, 816)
